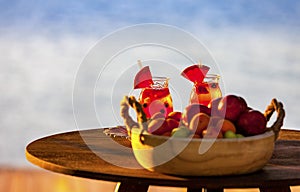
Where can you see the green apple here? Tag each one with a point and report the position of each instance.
(229, 134)
(181, 131)
(240, 135)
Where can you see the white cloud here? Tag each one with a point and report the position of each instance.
(260, 65)
(37, 76)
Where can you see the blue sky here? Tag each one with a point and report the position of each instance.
(42, 43)
(93, 16)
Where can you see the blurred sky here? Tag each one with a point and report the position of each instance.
(42, 43)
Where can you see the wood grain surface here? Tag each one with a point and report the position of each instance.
(91, 154)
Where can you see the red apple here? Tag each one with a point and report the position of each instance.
(213, 106)
(176, 115)
(167, 134)
(248, 109)
(158, 126)
(172, 123)
(232, 107)
(252, 122)
(192, 110)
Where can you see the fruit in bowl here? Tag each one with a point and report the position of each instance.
(252, 122)
(192, 110)
(230, 112)
(232, 107)
(208, 145)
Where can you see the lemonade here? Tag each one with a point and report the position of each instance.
(206, 86)
(206, 91)
(155, 95)
(156, 98)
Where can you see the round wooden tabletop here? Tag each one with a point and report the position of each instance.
(92, 154)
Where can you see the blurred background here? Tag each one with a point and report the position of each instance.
(42, 44)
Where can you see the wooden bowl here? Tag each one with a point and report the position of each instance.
(202, 157)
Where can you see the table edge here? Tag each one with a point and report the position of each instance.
(180, 181)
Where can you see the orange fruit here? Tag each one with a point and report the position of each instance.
(199, 123)
(226, 125)
(212, 133)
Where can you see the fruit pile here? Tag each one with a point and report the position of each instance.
(224, 117)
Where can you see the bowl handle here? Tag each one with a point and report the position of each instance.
(141, 116)
(278, 107)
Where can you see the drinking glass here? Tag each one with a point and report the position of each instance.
(157, 98)
(207, 90)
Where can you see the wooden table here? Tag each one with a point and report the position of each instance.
(92, 154)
